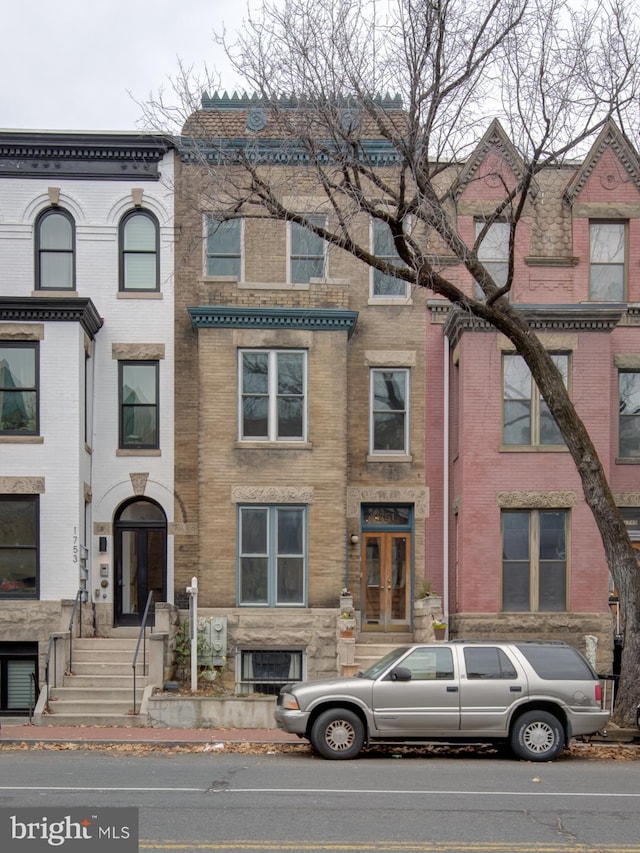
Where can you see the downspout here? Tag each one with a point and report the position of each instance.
(445, 484)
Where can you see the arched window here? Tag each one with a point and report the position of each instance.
(55, 250)
(139, 252)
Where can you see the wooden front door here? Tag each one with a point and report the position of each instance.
(386, 581)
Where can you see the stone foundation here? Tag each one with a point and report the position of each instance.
(572, 628)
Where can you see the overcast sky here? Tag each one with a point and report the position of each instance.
(71, 64)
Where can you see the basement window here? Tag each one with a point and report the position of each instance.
(268, 670)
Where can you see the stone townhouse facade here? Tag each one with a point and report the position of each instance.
(86, 390)
(292, 485)
(521, 554)
(480, 498)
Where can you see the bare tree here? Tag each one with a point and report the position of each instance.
(553, 73)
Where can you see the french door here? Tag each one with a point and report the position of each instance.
(386, 581)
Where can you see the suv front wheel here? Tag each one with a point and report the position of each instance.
(537, 736)
(337, 733)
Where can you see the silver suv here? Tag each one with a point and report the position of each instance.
(533, 696)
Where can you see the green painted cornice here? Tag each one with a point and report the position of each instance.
(234, 317)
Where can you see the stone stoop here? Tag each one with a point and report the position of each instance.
(370, 647)
(99, 690)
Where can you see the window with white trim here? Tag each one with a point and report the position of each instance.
(273, 395)
(534, 560)
(383, 247)
(389, 411)
(629, 414)
(527, 420)
(493, 253)
(607, 261)
(272, 549)
(268, 670)
(307, 251)
(224, 246)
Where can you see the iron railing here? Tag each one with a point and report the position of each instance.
(141, 639)
(76, 604)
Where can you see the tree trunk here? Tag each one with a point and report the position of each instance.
(620, 555)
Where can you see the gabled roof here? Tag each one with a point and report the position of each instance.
(610, 137)
(495, 138)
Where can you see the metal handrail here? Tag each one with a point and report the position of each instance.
(53, 646)
(32, 696)
(79, 597)
(141, 638)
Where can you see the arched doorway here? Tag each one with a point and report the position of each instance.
(140, 559)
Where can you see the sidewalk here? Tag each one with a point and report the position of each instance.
(15, 730)
(18, 730)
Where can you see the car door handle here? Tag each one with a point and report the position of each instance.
(515, 688)
(452, 689)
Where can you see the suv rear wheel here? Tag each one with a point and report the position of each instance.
(337, 733)
(537, 736)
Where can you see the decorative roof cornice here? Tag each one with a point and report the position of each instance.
(77, 156)
(42, 309)
(609, 137)
(601, 317)
(234, 317)
(494, 138)
(245, 101)
(283, 152)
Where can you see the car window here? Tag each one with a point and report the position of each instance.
(429, 663)
(379, 666)
(488, 662)
(557, 663)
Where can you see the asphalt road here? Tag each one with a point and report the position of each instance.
(298, 802)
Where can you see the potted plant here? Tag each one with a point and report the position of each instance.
(346, 599)
(439, 628)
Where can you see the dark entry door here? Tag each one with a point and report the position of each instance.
(141, 560)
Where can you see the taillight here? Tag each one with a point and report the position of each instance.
(599, 693)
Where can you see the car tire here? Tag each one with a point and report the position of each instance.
(537, 736)
(337, 733)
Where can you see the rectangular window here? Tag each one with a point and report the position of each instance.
(18, 677)
(268, 670)
(273, 395)
(19, 542)
(224, 247)
(383, 247)
(307, 252)
(139, 410)
(272, 555)
(527, 420)
(389, 415)
(607, 259)
(493, 253)
(629, 405)
(534, 560)
(19, 389)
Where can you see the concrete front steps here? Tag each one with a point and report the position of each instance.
(99, 690)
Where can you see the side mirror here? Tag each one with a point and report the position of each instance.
(401, 673)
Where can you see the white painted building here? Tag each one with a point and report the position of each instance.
(86, 389)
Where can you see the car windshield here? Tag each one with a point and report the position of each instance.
(380, 666)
